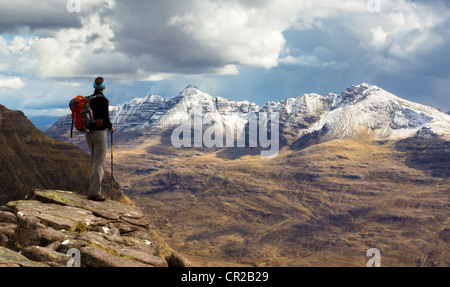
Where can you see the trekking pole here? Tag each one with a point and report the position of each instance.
(112, 168)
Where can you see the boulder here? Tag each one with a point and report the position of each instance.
(46, 255)
(9, 258)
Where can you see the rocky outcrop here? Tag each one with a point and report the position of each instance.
(41, 230)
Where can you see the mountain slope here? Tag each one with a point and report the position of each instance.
(30, 160)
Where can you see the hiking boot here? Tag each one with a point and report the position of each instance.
(97, 197)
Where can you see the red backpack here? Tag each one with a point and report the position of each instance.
(82, 115)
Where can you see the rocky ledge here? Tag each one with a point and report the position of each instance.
(41, 230)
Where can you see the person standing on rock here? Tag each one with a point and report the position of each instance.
(97, 138)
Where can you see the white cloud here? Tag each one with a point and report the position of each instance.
(11, 83)
(303, 60)
(237, 32)
(20, 45)
(209, 37)
(72, 52)
(3, 46)
(4, 52)
(154, 40)
(405, 29)
(48, 112)
(30, 15)
(69, 84)
(379, 36)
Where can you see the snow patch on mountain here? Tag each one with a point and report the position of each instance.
(136, 113)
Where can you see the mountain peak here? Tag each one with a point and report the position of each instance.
(363, 87)
(357, 93)
(193, 93)
(191, 87)
(189, 90)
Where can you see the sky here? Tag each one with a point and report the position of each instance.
(256, 50)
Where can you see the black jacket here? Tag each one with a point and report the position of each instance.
(100, 108)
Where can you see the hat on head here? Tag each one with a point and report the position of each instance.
(101, 86)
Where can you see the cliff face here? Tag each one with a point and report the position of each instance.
(107, 234)
(29, 160)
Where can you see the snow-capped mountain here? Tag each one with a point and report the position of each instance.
(310, 118)
(157, 113)
(360, 110)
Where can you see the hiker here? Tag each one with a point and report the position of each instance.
(97, 138)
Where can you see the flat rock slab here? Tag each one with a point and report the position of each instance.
(55, 216)
(46, 255)
(107, 209)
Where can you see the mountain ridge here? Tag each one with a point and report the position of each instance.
(361, 109)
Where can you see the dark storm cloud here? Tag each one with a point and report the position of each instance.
(34, 15)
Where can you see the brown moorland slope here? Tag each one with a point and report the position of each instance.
(325, 205)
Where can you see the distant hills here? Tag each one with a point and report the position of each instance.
(43, 123)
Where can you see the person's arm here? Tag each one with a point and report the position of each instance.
(107, 120)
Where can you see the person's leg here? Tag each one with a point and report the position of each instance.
(98, 147)
(90, 144)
